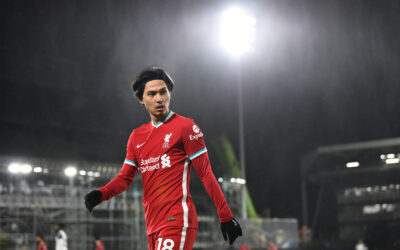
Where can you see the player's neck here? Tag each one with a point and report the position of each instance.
(157, 119)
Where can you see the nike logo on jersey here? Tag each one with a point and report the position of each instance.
(139, 145)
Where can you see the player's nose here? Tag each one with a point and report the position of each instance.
(159, 98)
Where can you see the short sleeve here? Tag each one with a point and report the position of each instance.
(130, 158)
(193, 140)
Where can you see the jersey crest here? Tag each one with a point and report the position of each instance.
(166, 140)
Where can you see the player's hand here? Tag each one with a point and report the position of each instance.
(231, 230)
(92, 199)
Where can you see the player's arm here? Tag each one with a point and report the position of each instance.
(201, 165)
(230, 228)
(118, 184)
(196, 150)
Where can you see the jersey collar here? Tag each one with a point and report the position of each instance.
(167, 117)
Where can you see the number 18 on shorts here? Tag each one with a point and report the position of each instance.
(172, 239)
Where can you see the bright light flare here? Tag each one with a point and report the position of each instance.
(390, 156)
(70, 171)
(37, 169)
(26, 168)
(14, 168)
(17, 168)
(354, 164)
(237, 31)
(392, 161)
(240, 181)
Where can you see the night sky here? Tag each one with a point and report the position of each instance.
(321, 73)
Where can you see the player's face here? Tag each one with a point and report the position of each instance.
(156, 99)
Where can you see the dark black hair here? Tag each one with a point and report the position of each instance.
(61, 225)
(149, 74)
(40, 235)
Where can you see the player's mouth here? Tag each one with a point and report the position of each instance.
(160, 108)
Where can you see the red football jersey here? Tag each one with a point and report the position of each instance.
(42, 246)
(164, 153)
(99, 245)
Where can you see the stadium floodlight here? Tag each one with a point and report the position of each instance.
(82, 172)
(90, 173)
(390, 156)
(240, 181)
(96, 174)
(17, 168)
(25, 168)
(14, 168)
(354, 164)
(70, 171)
(37, 170)
(237, 31)
(392, 161)
(220, 179)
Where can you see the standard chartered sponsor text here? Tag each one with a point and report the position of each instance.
(150, 168)
(165, 162)
(150, 160)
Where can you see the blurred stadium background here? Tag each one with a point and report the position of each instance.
(350, 192)
(37, 194)
(316, 95)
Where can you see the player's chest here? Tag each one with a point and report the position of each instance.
(158, 140)
(158, 145)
